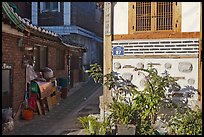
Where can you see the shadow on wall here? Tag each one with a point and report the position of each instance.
(187, 95)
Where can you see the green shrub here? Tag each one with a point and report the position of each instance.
(185, 122)
(131, 106)
(94, 127)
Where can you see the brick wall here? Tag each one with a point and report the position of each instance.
(164, 46)
(52, 62)
(12, 55)
(52, 47)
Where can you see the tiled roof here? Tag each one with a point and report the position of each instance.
(23, 25)
(8, 10)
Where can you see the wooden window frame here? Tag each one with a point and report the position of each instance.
(132, 21)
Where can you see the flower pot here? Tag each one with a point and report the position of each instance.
(125, 129)
(27, 114)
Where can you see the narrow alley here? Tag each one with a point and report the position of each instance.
(62, 119)
(146, 56)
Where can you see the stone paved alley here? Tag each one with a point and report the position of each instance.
(62, 119)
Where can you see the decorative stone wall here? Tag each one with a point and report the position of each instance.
(185, 67)
(127, 76)
(185, 70)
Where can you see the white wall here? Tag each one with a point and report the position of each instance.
(120, 19)
(186, 86)
(190, 15)
(173, 71)
(67, 12)
(34, 13)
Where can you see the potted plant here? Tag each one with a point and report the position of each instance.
(93, 126)
(122, 110)
(133, 107)
(122, 114)
(27, 112)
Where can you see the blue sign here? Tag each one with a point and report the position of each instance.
(118, 51)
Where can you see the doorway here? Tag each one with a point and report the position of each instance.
(6, 88)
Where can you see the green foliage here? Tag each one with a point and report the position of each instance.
(93, 127)
(25, 105)
(96, 73)
(130, 106)
(121, 113)
(186, 122)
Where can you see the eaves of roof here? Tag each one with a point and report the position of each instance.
(12, 16)
(24, 25)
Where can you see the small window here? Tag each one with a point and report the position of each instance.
(50, 7)
(164, 16)
(60, 58)
(154, 16)
(143, 16)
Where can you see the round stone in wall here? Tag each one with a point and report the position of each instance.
(142, 83)
(191, 81)
(127, 76)
(140, 65)
(168, 65)
(185, 67)
(117, 65)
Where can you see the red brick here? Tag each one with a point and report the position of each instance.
(12, 54)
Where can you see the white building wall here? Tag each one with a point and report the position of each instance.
(34, 13)
(67, 13)
(190, 17)
(186, 77)
(120, 19)
(185, 69)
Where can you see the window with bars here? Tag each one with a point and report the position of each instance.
(154, 16)
(164, 16)
(143, 16)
